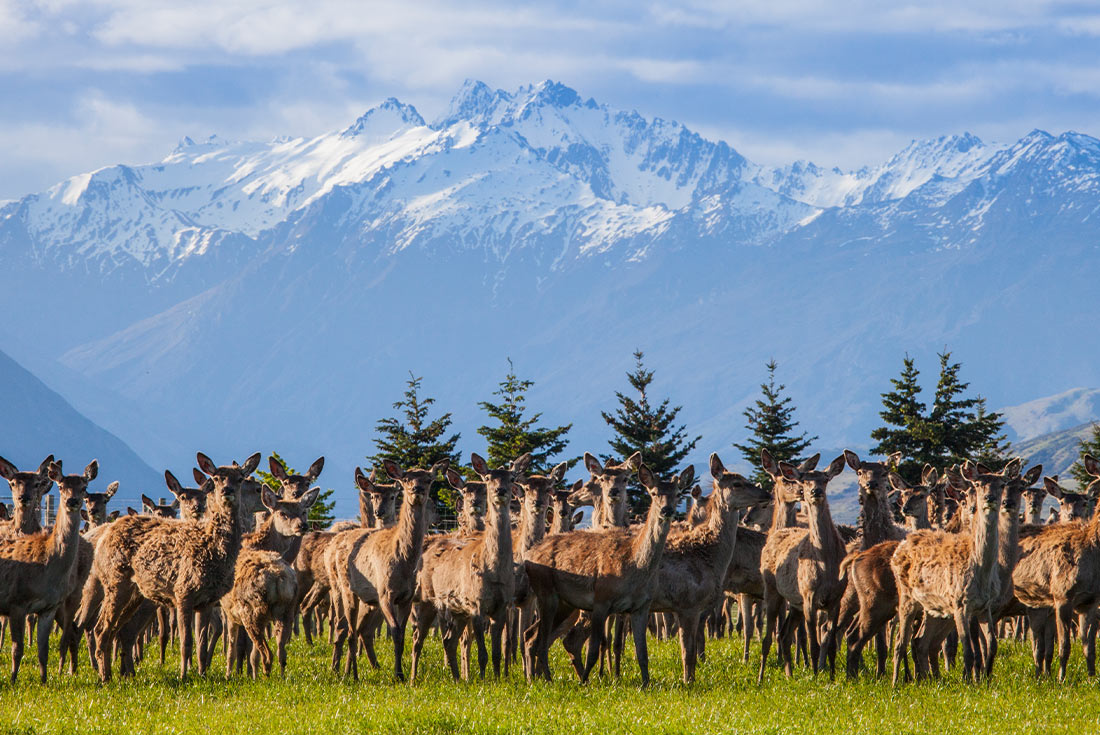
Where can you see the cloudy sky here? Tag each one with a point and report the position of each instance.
(87, 83)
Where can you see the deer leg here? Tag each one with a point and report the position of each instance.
(450, 631)
(45, 627)
(185, 617)
(374, 625)
(164, 630)
(906, 616)
(496, 634)
(423, 614)
(743, 623)
(1064, 626)
(701, 637)
(687, 646)
(476, 628)
(641, 652)
(597, 636)
(18, 630)
(772, 602)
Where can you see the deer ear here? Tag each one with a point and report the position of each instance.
(1032, 475)
(697, 492)
(454, 479)
(54, 472)
(147, 504)
(84, 514)
(196, 473)
(810, 464)
(479, 464)
(1052, 487)
(111, 490)
(646, 476)
(835, 467)
(852, 459)
(717, 469)
(897, 482)
(789, 472)
(687, 477)
(130, 511)
(91, 470)
(634, 461)
(251, 464)
(315, 469)
(928, 476)
(440, 467)
(1012, 469)
(521, 463)
(206, 464)
(113, 515)
(1091, 465)
(362, 482)
(392, 469)
(267, 497)
(8, 471)
(45, 466)
(558, 473)
(578, 517)
(894, 460)
(592, 464)
(310, 497)
(172, 483)
(277, 470)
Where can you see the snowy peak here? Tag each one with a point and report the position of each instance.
(384, 121)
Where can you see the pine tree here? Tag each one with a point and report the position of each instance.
(1089, 445)
(514, 434)
(772, 422)
(956, 428)
(905, 412)
(641, 427)
(320, 513)
(412, 440)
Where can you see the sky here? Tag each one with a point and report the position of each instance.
(90, 83)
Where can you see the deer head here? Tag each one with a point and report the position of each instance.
(1071, 506)
(72, 488)
(812, 483)
(151, 507)
(1016, 487)
(191, 501)
(416, 484)
(734, 491)
(498, 482)
(785, 490)
(470, 501)
(225, 494)
(382, 497)
(874, 477)
(608, 484)
(27, 488)
(96, 504)
(987, 488)
(296, 486)
(290, 517)
(664, 495)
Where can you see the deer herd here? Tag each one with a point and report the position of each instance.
(956, 561)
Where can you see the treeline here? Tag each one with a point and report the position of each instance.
(953, 427)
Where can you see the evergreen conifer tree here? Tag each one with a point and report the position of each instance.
(639, 426)
(772, 424)
(514, 433)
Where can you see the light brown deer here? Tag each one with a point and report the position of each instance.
(952, 577)
(697, 510)
(876, 519)
(191, 501)
(27, 489)
(35, 570)
(381, 569)
(471, 580)
(296, 486)
(603, 572)
(1072, 506)
(265, 587)
(562, 504)
(692, 574)
(188, 565)
(802, 567)
(1059, 568)
(470, 504)
(96, 506)
(1033, 505)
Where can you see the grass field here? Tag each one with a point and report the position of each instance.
(724, 699)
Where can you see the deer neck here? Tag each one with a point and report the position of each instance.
(64, 539)
(784, 514)
(532, 528)
(1008, 543)
(876, 521)
(721, 522)
(561, 516)
(366, 512)
(919, 522)
(823, 534)
(498, 540)
(649, 541)
(267, 538)
(984, 552)
(223, 530)
(412, 524)
(25, 520)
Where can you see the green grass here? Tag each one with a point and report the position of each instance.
(724, 699)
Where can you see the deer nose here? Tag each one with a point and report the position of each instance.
(667, 512)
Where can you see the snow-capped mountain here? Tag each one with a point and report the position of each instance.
(275, 294)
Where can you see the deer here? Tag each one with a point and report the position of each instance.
(95, 505)
(697, 510)
(603, 572)
(27, 489)
(952, 577)
(295, 486)
(190, 501)
(1059, 569)
(265, 587)
(692, 574)
(562, 517)
(35, 570)
(802, 567)
(1033, 505)
(470, 503)
(1072, 506)
(381, 570)
(188, 565)
(471, 579)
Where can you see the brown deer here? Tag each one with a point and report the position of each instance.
(1072, 506)
(27, 489)
(562, 517)
(692, 574)
(188, 565)
(470, 503)
(802, 567)
(952, 577)
(265, 587)
(96, 506)
(381, 569)
(1033, 505)
(471, 580)
(697, 510)
(1059, 569)
(876, 521)
(190, 501)
(296, 486)
(35, 570)
(603, 572)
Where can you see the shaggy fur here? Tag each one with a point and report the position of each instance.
(265, 593)
(603, 572)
